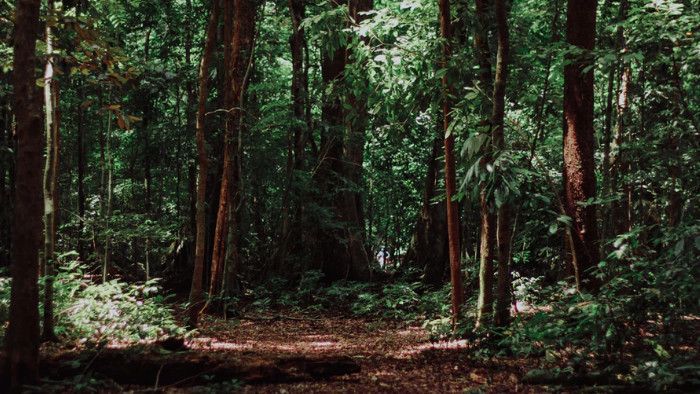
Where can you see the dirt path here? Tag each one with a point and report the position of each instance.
(393, 357)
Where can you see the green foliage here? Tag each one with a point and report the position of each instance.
(114, 312)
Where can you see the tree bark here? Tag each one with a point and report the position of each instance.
(220, 233)
(242, 64)
(196, 298)
(50, 184)
(488, 218)
(290, 232)
(502, 315)
(343, 254)
(579, 163)
(429, 249)
(450, 182)
(107, 263)
(22, 335)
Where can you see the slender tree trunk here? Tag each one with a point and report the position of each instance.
(200, 243)
(675, 196)
(107, 263)
(22, 335)
(450, 183)
(291, 221)
(579, 163)
(50, 184)
(502, 315)
(81, 172)
(539, 112)
(6, 175)
(488, 218)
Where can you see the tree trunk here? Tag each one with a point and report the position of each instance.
(81, 172)
(343, 254)
(579, 164)
(450, 182)
(429, 250)
(220, 233)
(488, 218)
(50, 183)
(6, 174)
(200, 241)
(239, 26)
(539, 111)
(502, 315)
(242, 63)
(290, 233)
(107, 263)
(22, 335)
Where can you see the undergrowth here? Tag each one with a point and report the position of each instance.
(112, 312)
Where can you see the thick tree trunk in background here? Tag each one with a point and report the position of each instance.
(429, 250)
(488, 218)
(450, 182)
(579, 163)
(343, 254)
(50, 184)
(22, 335)
(200, 241)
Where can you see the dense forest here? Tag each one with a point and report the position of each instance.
(369, 195)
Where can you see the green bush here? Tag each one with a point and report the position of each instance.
(111, 312)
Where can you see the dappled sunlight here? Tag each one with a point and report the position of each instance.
(442, 345)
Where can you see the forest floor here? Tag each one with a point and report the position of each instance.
(291, 353)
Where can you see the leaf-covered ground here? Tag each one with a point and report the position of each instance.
(393, 357)
(289, 353)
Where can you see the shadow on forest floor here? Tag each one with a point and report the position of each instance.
(278, 353)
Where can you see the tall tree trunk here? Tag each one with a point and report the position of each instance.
(502, 315)
(107, 262)
(50, 183)
(539, 111)
(291, 220)
(615, 218)
(200, 242)
(220, 233)
(22, 335)
(450, 182)
(242, 64)
(6, 174)
(579, 163)
(81, 171)
(675, 196)
(343, 253)
(488, 218)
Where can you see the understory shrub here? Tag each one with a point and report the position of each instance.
(104, 313)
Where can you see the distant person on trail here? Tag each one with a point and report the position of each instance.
(383, 257)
